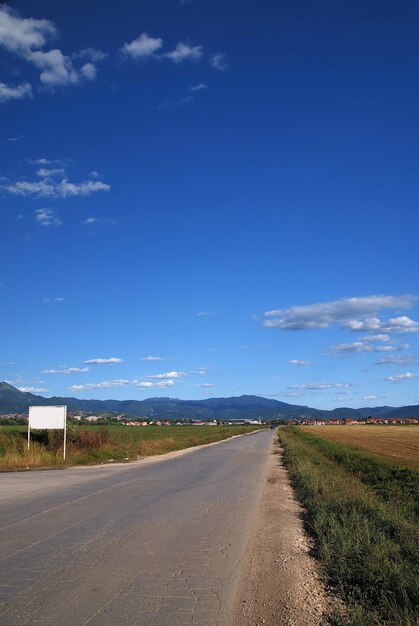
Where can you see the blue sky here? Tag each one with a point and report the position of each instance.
(210, 198)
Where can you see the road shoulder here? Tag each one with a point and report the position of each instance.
(280, 583)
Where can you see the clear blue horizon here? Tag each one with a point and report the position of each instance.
(205, 198)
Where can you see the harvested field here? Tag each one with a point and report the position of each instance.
(397, 443)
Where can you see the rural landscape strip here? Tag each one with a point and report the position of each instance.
(362, 512)
(93, 445)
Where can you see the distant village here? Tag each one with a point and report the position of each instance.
(84, 417)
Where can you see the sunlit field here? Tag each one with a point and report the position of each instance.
(397, 443)
(93, 444)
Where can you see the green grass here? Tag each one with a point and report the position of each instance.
(362, 513)
(120, 443)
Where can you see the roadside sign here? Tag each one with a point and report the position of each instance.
(48, 417)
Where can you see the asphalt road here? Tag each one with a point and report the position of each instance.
(146, 544)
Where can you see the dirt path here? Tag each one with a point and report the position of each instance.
(280, 584)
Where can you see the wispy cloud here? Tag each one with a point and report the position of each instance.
(67, 370)
(344, 312)
(105, 384)
(184, 52)
(103, 361)
(47, 217)
(14, 139)
(44, 161)
(205, 313)
(50, 172)
(299, 362)
(172, 374)
(219, 61)
(15, 92)
(199, 87)
(174, 104)
(33, 389)
(89, 221)
(52, 189)
(118, 383)
(322, 386)
(400, 377)
(397, 360)
(365, 346)
(57, 299)
(152, 358)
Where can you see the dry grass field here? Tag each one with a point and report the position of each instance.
(399, 444)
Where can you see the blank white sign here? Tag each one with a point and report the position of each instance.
(50, 417)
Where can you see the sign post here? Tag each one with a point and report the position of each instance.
(48, 418)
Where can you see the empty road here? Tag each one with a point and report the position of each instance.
(145, 544)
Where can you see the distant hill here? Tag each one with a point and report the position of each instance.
(245, 407)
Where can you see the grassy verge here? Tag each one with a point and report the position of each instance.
(90, 445)
(361, 511)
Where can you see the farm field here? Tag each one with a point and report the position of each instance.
(92, 444)
(362, 511)
(397, 443)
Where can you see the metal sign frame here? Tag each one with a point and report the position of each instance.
(64, 427)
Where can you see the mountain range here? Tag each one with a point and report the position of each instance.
(13, 400)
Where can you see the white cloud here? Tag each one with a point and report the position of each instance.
(298, 362)
(118, 383)
(146, 384)
(142, 47)
(91, 54)
(153, 358)
(68, 370)
(364, 346)
(50, 189)
(33, 389)
(106, 384)
(47, 217)
(292, 394)
(370, 397)
(396, 360)
(219, 61)
(49, 172)
(14, 139)
(399, 377)
(379, 337)
(173, 104)
(205, 313)
(26, 38)
(205, 385)
(102, 361)
(172, 374)
(58, 299)
(15, 92)
(96, 220)
(322, 386)
(344, 312)
(402, 324)
(199, 87)
(184, 52)
(43, 161)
